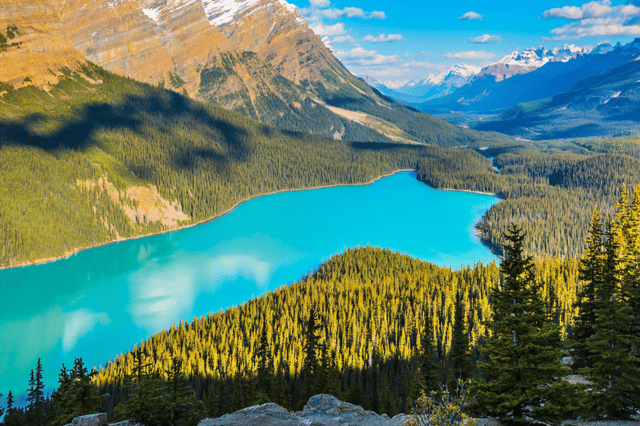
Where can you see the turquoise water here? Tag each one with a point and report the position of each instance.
(100, 302)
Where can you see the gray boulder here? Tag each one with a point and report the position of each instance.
(260, 415)
(321, 410)
(328, 410)
(99, 419)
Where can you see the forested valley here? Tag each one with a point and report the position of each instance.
(550, 187)
(377, 328)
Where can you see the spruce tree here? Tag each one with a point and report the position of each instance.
(144, 405)
(14, 416)
(311, 363)
(460, 365)
(35, 397)
(524, 372)
(429, 357)
(180, 407)
(62, 398)
(84, 396)
(631, 276)
(591, 276)
(265, 368)
(613, 348)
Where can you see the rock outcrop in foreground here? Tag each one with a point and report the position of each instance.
(321, 410)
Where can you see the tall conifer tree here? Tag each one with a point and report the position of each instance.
(265, 368)
(311, 363)
(460, 365)
(591, 276)
(613, 347)
(524, 372)
(35, 397)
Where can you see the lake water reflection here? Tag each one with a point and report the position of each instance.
(102, 301)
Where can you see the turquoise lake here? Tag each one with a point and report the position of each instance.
(102, 301)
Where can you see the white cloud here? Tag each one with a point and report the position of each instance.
(343, 39)
(377, 14)
(472, 54)
(595, 19)
(383, 38)
(349, 12)
(363, 57)
(416, 64)
(485, 39)
(320, 3)
(329, 30)
(470, 16)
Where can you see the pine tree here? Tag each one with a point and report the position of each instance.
(631, 277)
(429, 358)
(591, 276)
(265, 368)
(61, 398)
(311, 345)
(180, 407)
(84, 397)
(613, 347)
(35, 397)
(523, 356)
(144, 405)
(460, 366)
(14, 416)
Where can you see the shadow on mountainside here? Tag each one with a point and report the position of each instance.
(158, 119)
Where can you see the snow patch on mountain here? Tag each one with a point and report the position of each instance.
(171, 6)
(153, 14)
(536, 57)
(221, 12)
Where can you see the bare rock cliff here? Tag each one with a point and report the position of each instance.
(154, 41)
(33, 47)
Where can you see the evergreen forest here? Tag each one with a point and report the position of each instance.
(379, 329)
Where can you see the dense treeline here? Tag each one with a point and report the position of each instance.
(371, 304)
(375, 327)
(132, 134)
(550, 188)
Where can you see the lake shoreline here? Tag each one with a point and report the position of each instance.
(178, 228)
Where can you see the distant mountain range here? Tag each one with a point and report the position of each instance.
(460, 75)
(486, 95)
(603, 104)
(542, 94)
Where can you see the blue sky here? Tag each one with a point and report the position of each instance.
(395, 40)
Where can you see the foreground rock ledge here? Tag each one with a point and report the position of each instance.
(321, 410)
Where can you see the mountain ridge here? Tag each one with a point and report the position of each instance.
(484, 95)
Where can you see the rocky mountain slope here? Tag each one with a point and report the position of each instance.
(33, 48)
(147, 40)
(256, 57)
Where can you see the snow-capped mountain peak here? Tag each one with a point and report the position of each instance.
(463, 70)
(221, 12)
